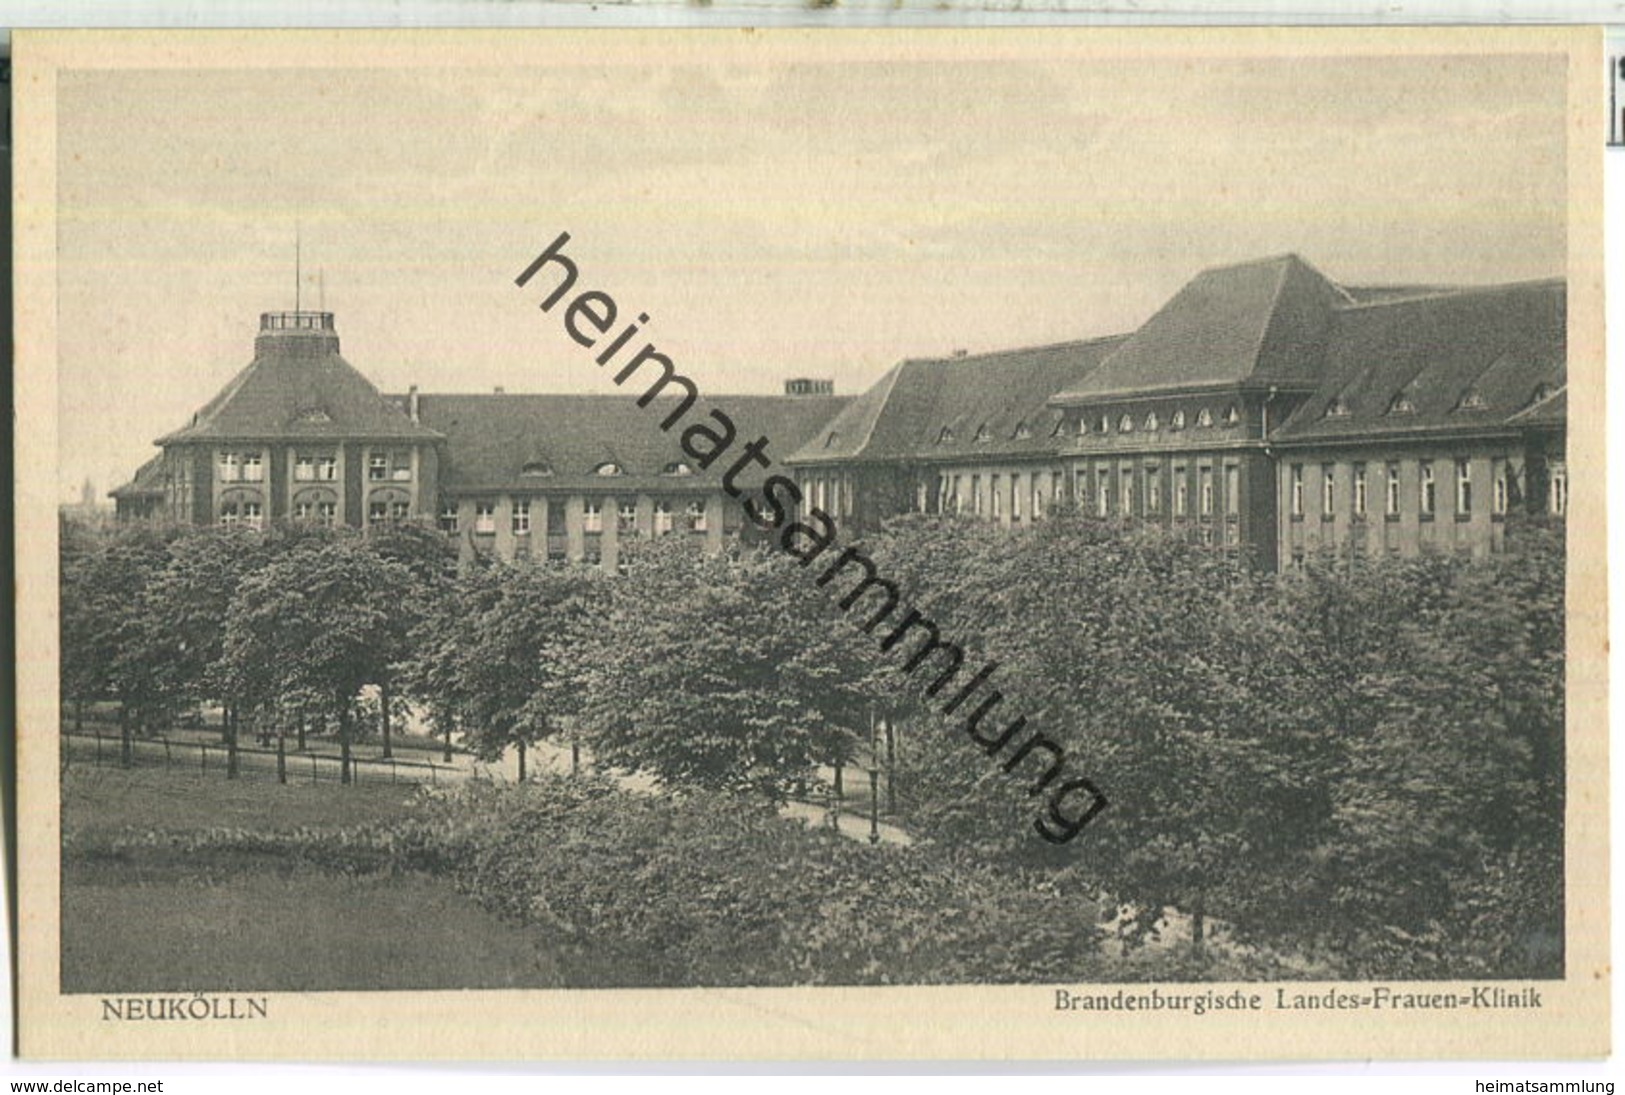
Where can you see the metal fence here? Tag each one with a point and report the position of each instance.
(252, 761)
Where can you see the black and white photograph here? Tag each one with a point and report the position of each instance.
(687, 544)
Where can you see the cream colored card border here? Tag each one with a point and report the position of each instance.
(995, 1022)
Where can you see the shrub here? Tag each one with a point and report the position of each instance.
(705, 891)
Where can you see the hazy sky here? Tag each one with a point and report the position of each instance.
(774, 220)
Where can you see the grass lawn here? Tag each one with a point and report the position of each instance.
(150, 920)
(99, 802)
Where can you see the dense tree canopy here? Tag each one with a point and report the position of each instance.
(1360, 764)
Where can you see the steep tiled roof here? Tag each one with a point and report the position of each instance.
(565, 439)
(1461, 360)
(148, 480)
(296, 387)
(1257, 323)
(979, 405)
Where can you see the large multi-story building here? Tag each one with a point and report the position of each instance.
(1263, 409)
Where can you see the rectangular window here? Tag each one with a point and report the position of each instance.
(521, 516)
(592, 516)
(1428, 495)
(959, 497)
(1557, 489)
(1464, 488)
(920, 493)
(253, 516)
(1359, 491)
(1232, 490)
(327, 468)
(594, 558)
(253, 468)
(663, 523)
(942, 494)
(401, 465)
(1103, 492)
(1204, 496)
(304, 469)
(1015, 498)
(448, 517)
(1297, 490)
(1328, 490)
(696, 517)
(228, 514)
(485, 518)
(231, 468)
(1153, 488)
(557, 524)
(1391, 496)
(303, 511)
(626, 517)
(1038, 499)
(1125, 491)
(377, 513)
(976, 495)
(327, 513)
(1502, 496)
(995, 492)
(1182, 491)
(377, 466)
(400, 511)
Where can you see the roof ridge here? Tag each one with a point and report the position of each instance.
(951, 359)
(1443, 292)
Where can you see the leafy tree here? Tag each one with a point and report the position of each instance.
(101, 588)
(321, 622)
(495, 656)
(756, 680)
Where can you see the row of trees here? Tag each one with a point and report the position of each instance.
(1363, 765)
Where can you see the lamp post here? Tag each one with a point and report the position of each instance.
(874, 781)
(874, 805)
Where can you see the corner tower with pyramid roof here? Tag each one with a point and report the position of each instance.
(299, 434)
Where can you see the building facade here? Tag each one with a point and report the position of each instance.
(1264, 409)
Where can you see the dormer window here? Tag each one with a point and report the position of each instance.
(1103, 425)
(1125, 424)
(1022, 432)
(311, 414)
(1472, 400)
(1151, 422)
(1060, 428)
(1541, 392)
(1204, 418)
(1177, 422)
(1337, 408)
(983, 433)
(946, 436)
(1232, 416)
(1402, 405)
(607, 469)
(536, 468)
(678, 467)
(831, 439)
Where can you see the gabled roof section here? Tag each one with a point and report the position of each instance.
(1460, 361)
(993, 404)
(147, 481)
(298, 387)
(492, 439)
(1257, 323)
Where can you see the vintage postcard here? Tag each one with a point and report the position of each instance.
(728, 544)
